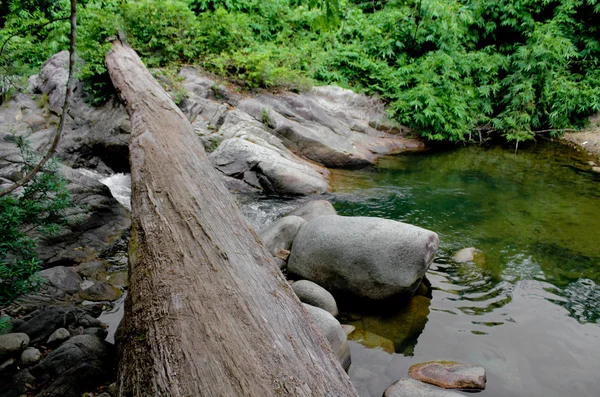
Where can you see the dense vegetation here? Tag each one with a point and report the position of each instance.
(39, 210)
(450, 69)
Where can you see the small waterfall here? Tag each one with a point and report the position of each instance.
(119, 185)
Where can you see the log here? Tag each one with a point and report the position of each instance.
(208, 311)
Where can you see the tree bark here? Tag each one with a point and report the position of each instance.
(208, 311)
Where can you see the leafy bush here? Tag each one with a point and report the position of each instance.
(38, 210)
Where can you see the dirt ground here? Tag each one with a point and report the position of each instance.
(588, 139)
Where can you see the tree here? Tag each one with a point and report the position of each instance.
(208, 312)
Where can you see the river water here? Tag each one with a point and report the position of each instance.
(531, 314)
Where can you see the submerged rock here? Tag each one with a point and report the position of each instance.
(315, 295)
(280, 234)
(371, 340)
(333, 332)
(470, 254)
(449, 375)
(314, 209)
(407, 387)
(363, 257)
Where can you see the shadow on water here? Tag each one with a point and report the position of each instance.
(535, 299)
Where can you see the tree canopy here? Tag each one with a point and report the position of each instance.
(449, 69)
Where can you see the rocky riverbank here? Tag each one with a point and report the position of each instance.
(278, 144)
(588, 140)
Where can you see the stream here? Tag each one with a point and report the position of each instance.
(530, 314)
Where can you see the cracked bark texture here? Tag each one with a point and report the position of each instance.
(208, 313)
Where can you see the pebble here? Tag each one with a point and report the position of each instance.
(449, 375)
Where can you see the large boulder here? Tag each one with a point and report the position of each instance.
(266, 167)
(333, 332)
(363, 257)
(280, 234)
(313, 209)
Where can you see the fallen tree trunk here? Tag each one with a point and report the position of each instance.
(208, 312)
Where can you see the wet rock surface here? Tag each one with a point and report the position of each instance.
(333, 332)
(407, 387)
(314, 209)
(450, 375)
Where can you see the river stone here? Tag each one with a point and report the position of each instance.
(313, 209)
(315, 295)
(13, 342)
(348, 329)
(63, 278)
(280, 234)
(59, 336)
(333, 332)
(97, 331)
(449, 375)
(41, 324)
(101, 291)
(371, 340)
(18, 384)
(470, 254)
(118, 279)
(77, 350)
(363, 257)
(596, 169)
(30, 356)
(407, 387)
(91, 269)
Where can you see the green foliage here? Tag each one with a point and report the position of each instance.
(446, 68)
(38, 210)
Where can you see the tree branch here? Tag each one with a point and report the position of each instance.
(63, 115)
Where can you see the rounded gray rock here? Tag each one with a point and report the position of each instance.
(30, 356)
(315, 295)
(333, 332)
(314, 209)
(280, 234)
(363, 257)
(62, 277)
(407, 387)
(13, 342)
(59, 336)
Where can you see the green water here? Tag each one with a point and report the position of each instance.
(531, 313)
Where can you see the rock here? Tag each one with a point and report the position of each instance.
(30, 356)
(87, 321)
(348, 328)
(58, 337)
(371, 340)
(18, 384)
(76, 380)
(596, 169)
(63, 278)
(407, 387)
(52, 80)
(402, 327)
(333, 332)
(91, 269)
(13, 342)
(315, 295)
(118, 279)
(449, 375)
(362, 257)
(280, 234)
(96, 331)
(470, 254)
(6, 364)
(101, 291)
(43, 323)
(313, 209)
(266, 167)
(76, 351)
